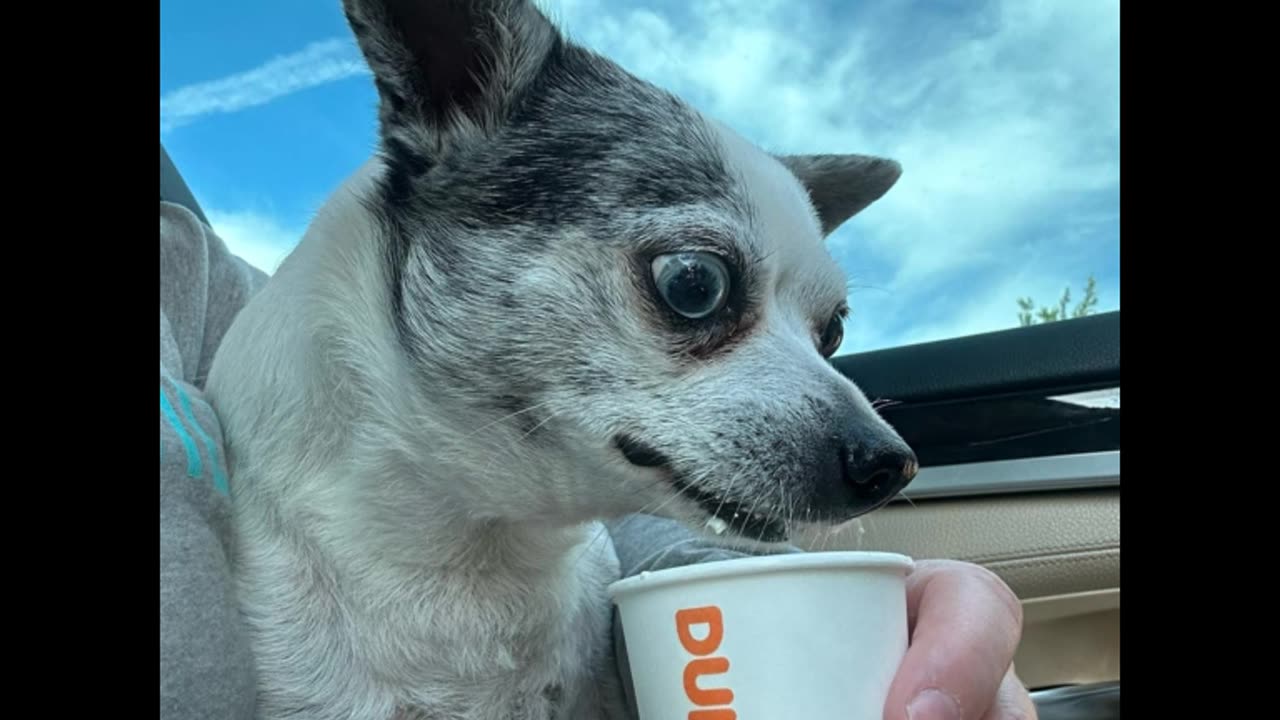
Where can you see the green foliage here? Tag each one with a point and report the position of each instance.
(1029, 315)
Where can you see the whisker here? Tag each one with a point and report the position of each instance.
(504, 418)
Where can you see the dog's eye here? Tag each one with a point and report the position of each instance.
(694, 284)
(832, 335)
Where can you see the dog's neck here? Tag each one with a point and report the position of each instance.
(381, 453)
(412, 524)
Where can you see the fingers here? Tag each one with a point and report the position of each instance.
(966, 625)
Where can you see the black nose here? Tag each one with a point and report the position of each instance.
(860, 469)
(876, 475)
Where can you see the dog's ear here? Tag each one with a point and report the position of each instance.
(449, 66)
(842, 186)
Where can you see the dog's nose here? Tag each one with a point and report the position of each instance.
(866, 465)
(876, 475)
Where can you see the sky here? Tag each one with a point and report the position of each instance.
(1005, 115)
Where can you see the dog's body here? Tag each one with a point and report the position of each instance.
(536, 309)
(369, 592)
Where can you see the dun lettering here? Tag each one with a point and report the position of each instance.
(709, 703)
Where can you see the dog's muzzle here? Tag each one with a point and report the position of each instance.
(859, 468)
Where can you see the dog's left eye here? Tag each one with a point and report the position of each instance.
(832, 335)
(694, 284)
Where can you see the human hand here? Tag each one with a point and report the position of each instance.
(965, 624)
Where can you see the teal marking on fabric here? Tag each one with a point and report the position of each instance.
(194, 467)
(219, 478)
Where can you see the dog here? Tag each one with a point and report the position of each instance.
(556, 295)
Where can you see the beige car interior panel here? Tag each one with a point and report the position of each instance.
(1059, 551)
(1070, 639)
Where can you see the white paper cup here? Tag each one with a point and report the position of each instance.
(807, 635)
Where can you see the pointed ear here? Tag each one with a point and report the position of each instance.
(449, 64)
(842, 186)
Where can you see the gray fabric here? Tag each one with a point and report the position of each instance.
(206, 670)
(646, 543)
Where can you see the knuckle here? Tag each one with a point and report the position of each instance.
(1001, 590)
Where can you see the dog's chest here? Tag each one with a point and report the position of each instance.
(550, 659)
(446, 660)
(518, 646)
(518, 697)
(533, 681)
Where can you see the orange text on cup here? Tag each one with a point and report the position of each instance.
(710, 703)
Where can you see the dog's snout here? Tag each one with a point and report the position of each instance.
(868, 465)
(878, 474)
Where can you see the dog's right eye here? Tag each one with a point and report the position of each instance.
(694, 284)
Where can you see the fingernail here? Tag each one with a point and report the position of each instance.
(933, 704)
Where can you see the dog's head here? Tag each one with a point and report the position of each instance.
(627, 305)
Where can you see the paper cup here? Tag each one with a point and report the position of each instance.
(807, 635)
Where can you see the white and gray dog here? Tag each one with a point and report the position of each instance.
(557, 295)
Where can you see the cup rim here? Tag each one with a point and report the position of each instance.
(760, 565)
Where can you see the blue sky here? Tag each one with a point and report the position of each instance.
(1004, 113)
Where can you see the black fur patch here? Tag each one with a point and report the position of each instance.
(639, 454)
(521, 412)
(585, 143)
(585, 140)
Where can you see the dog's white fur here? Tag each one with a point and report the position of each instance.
(398, 598)
(401, 550)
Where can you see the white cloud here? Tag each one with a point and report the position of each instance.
(317, 64)
(257, 238)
